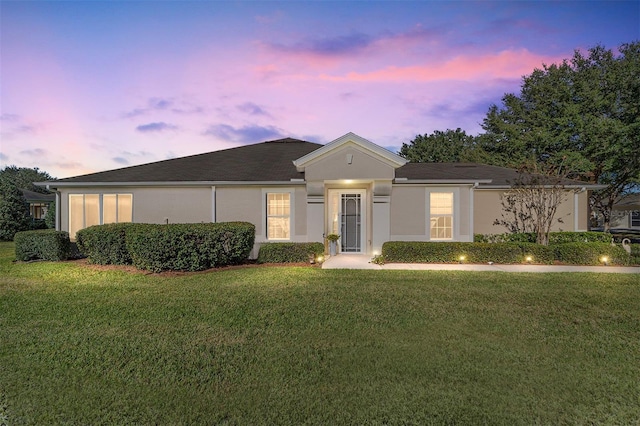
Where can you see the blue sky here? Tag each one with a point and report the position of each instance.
(90, 85)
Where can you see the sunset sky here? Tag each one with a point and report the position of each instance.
(88, 86)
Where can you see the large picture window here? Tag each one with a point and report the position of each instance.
(635, 219)
(95, 209)
(278, 215)
(441, 215)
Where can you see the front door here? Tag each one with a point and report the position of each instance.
(347, 218)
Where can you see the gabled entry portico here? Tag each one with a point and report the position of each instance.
(348, 190)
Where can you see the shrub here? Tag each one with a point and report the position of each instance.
(443, 252)
(46, 244)
(189, 247)
(105, 244)
(635, 254)
(554, 237)
(289, 252)
(590, 253)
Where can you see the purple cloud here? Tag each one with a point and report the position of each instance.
(244, 134)
(253, 109)
(38, 152)
(11, 118)
(121, 160)
(333, 46)
(155, 127)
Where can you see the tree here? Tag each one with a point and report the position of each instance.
(14, 212)
(583, 113)
(450, 146)
(531, 205)
(24, 177)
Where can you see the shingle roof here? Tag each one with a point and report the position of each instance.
(262, 162)
(499, 176)
(272, 161)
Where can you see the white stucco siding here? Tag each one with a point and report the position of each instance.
(408, 214)
(349, 162)
(488, 207)
(172, 205)
(152, 205)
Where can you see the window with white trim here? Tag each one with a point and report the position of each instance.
(441, 215)
(278, 215)
(96, 209)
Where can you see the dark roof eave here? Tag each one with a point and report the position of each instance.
(54, 184)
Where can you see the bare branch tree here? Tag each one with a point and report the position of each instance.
(531, 205)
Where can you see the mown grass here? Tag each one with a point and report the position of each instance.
(275, 345)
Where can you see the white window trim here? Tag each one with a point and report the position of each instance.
(456, 212)
(291, 192)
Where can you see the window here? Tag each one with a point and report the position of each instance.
(635, 218)
(116, 208)
(441, 212)
(278, 215)
(85, 210)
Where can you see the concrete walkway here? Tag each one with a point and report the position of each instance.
(356, 261)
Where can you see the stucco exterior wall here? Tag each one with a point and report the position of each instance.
(335, 166)
(488, 208)
(409, 212)
(152, 205)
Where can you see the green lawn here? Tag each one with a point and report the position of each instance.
(287, 345)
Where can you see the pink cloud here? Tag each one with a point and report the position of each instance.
(507, 64)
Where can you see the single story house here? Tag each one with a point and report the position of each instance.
(626, 213)
(299, 191)
(38, 203)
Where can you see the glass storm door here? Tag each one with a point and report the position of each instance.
(347, 220)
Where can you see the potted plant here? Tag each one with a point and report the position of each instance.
(333, 243)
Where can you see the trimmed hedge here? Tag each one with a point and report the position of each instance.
(591, 253)
(554, 237)
(105, 244)
(189, 247)
(289, 252)
(442, 252)
(47, 244)
(505, 253)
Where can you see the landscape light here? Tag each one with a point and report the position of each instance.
(462, 258)
(605, 260)
(320, 259)
(529, 259)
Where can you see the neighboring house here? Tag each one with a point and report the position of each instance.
(626, 213)
(38, 203)
(293, 190)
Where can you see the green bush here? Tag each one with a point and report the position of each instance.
(590, 253)
(635, 254)
(189, 247)
(46, 244)
(105, 244)
(289, 252)
(554, 237)
(444, 252)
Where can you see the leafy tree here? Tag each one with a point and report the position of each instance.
(14, 212)
(583, 113)
(24, 177)
(50, 216)
(450, 146)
